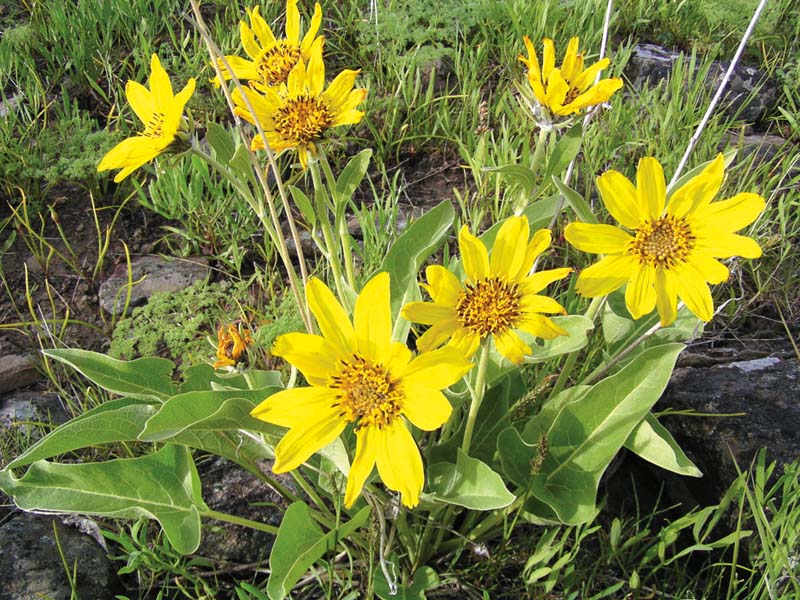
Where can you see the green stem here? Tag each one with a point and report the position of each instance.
(220, 516)
(477, 395)
(340, 223)
(327, 232)
(569, 364)
(483, 527)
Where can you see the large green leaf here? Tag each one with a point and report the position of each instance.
(586, 433)
(407, 254)
(425, 578)
(575, 201)
(351, 176)
(220, 141)
(140, 378)
(655, 444)
(163, 486)
(566, 149)
(469, 483)
(120, 420)
(300, 543)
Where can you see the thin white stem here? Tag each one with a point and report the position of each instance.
(718, 95)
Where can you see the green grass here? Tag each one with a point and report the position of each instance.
(441, 78)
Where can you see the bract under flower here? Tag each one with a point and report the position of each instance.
(359, 375)
(671, 246)
(160, 111)
(499, 296)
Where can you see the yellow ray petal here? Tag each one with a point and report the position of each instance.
(372, 318)
(313, 28)
(130, 154)
(427, 313)
(301, 442)
(511, 346)
(141, 101)
(338, 89)
(262, 29)
(315, 74)
(251, 47)
(292, 21)
(160, 86)
(437, 334)
(692, 289)
(651, 187)
(540, 326)
(367, 440)
(619, 196)
(587, 77)
(721, 244)
(331, 317)
(242, 68)
(399, 462)
(438, 369)
(538, 244)
(315, 356)
(534, 72)
(570, 62)
(425, 406)
(474, 255)
(548, 59)
(541, 304)
(605, 276)
(732, 214)
(712, 270)
(466, 341)
(510, 245)
(443, 286)
(541, 279)
(296, 407)
(699, 190)
(597, 238)
(557, 90)
(640, 295)
(666, 297)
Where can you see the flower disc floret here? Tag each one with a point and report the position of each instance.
(359, 376)
(274, 64)
(302, 119)
(488, 306)
(668, 245)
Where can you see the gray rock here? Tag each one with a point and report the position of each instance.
(31, 566)
(230, 489)
(17, 371)
(750, 92)
(766, 391)
(24, 410)
(151, 274)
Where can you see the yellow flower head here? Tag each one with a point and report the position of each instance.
(299, 114)
(668, 253)
(499, 295)
(272, 59)
(567, 90)
(161, 113)
(232, 343)
(359, 375)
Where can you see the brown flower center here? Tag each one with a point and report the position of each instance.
(663, 242)
(275, 63)
(367, 393)
(489, 306)
(302, 119)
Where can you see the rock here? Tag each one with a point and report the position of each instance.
(230, 489)
(24, 410)
(766, 391)
(17, 371)
(31, 566)
(761, 147)
(650, 64)
(150, 274)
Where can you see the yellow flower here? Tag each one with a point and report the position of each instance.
(272, 59)
(670, 253)
(232, 343)
(299, 114)
(499, 295)
(570, 89)
(359, 375)
(160, 111)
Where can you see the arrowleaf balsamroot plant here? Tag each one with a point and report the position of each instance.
(461, 455)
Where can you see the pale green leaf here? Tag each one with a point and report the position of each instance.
(425, 578)
(351, 176)
(220, 141)
(576, 201)
(565, 151)
(469, 483)
(651, 441)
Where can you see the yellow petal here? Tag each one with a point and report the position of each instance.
(295, 407)
(262, 29)
(587, 77)
(399, 462)
(243, 69)
(443, 286)
(605, 276)
(597, 94)
(315, 74)
(699, 190)
(336, 94)
(541, 279)
(597, 238)
(367, 440)
(313, 28)
(722, 244)
(427, 313)
(292, 21)
(372, 318)
(510, 245)
(251, 47)
(712, 270)
(141, 101)
(511, 346)
(666, 297)
(540, 326)
(651, 187)
(301, 442)
(541, 304)
(570, 62)
(732, 214)
(130, 154)
(534, 72)
(331, 317)
(548, 58)
(315, 356)
(619, 196)
(640, 295)
(538, 244)
(466, 341)
(425, 406)
(474, 255)
(437, 369)
(350, 117)
(437, 334)
(692, 289)
(160, 86)
(557, 90)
